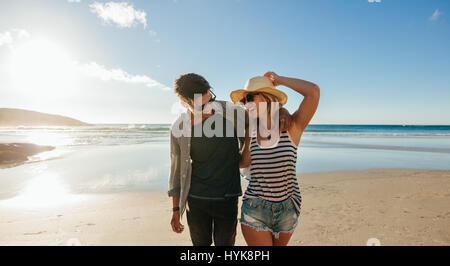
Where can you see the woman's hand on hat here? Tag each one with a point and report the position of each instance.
(273, 77)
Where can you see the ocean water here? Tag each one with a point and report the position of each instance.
(123, 157)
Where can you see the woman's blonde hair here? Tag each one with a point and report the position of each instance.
(270, 99)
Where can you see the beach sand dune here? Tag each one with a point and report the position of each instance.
(395, 206)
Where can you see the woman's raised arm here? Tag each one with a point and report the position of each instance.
(310, 92)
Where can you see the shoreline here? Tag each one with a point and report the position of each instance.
(378, 147)
(396, 206)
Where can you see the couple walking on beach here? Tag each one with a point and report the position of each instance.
(213, 140)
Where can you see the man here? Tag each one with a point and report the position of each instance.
(204, 177)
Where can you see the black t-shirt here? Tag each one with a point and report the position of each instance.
(215, 164)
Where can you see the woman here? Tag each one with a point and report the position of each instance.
(271, 203)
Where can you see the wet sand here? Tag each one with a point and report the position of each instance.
(15, 154)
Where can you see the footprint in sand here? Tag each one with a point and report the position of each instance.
(134, 218)
(73, 242)
(32, 234)
(88, 224)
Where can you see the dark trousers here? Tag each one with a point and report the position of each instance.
(209, 219)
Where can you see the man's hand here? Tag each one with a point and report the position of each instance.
(177, 227)
(285, 120)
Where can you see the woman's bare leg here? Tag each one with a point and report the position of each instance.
(256, 238)
(283, 239)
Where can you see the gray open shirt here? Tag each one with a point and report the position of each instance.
(180, 147)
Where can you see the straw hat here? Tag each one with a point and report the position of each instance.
(259, 84)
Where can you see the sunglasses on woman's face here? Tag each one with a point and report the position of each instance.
(249, 98)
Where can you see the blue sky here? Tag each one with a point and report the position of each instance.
(384, 62)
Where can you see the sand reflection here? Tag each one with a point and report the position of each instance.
(44, 191)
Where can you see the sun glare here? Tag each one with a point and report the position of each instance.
(44, 137)
(41, 68)
(44, 191)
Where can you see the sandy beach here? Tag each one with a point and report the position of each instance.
(396, 206)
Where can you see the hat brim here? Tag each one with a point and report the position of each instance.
(237, 95)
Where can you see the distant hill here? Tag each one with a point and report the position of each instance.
(19, 117)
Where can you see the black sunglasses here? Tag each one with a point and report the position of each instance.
(248, 98)
(213, 96)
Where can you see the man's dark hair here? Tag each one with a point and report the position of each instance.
(188, 85)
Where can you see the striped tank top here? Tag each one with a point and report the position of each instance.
(273, 172)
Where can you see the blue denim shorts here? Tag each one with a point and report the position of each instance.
(263, 215)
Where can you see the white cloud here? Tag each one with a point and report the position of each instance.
(39, 57)
(122, 14)
(435, 15)
(43, 69)
(177, 109)
(74, 1)
(154, 36)
(9, 37)
(98, 71)
(5, 38)
(374, 1)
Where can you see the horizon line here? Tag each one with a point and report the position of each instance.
(315, 124)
